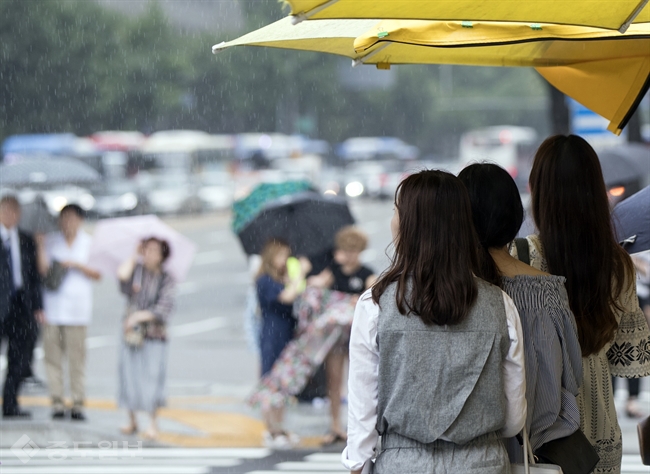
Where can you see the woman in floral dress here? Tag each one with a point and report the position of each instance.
(576, 240)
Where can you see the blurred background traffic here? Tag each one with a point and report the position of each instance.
(133, 93)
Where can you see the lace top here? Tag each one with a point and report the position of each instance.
(627, 355)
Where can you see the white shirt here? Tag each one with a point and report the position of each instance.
(364, 370)
(72, 303)
(14, 240)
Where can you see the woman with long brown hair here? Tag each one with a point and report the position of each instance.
(436, 354)
(576, 240)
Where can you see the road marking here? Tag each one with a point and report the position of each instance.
(311, 466)
(158, 469)
(187, 288)
(198, 327)
(208, 258)
(180, 330)
(163, 453)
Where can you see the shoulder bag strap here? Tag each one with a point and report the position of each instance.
(523, 252)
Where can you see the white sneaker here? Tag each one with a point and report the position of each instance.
(280, 442)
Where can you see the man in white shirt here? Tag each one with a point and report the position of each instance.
(68, 309)
(21, 305)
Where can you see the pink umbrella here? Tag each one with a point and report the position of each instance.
(115, 240)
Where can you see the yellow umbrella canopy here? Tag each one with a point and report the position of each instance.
(326, 36)
(611, 14)
(604, 70)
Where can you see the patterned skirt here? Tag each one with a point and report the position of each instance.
(324, 323)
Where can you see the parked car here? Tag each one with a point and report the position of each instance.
(118, 197)
(172, 193)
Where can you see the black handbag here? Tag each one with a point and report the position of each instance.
(55, 275)
(643, 430)
(573, 453)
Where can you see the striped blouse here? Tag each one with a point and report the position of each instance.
(552, 354)
(154, 292)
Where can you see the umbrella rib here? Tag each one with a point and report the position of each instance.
(362, 60)
(300, 17)
(633, 16)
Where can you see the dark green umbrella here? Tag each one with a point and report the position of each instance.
(245, 210)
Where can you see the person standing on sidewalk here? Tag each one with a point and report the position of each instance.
(436, 354)
(143, 353)
(21, 306)
(68, 309)
(576, 240)
(346, 274)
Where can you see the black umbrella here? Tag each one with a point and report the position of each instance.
(632, 221)
(35, 218)
(307, 221)
(46, 171)
(624, 164)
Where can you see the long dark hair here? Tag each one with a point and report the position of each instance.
(496, 210)
(436, 250)
(572, 213)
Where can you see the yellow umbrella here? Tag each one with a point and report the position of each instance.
(606, 71)
(326, 36)
(611, 14)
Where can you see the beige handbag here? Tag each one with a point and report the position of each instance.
(529, 466)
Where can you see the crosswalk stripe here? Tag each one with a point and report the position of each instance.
(153, 469)
(310, 466)
(133, 452)
(324, 457)
(212, 462)
(297, 472)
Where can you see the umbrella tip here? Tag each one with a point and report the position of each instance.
(217, 48)
(299, 18)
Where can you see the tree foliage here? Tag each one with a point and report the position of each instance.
(73, 66)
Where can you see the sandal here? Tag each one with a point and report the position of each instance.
(150, 435)
(333, 438)
(633, 411)
(129, 430)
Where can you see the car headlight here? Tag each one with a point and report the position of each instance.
(129, 201)
(59, 202)
(354, 189)
(86, 201)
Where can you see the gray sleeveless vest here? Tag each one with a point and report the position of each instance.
(442, 381)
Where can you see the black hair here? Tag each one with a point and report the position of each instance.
(435, 251)
(497, 211)
(165, 250)
(73, 208)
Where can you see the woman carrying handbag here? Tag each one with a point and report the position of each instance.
(436, 354)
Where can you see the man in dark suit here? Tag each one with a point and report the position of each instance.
(21, 306)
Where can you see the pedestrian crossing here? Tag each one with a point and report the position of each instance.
(318, 463)
(114, 459)
(191, 461)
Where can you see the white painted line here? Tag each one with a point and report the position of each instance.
(106, 470)
(299, 472)
(208, 258)
(132, 451)
(634, 469)
(198, 327)
(311, 466)
(187, 288)
(324, 457)
(100, 341)
(111, 462)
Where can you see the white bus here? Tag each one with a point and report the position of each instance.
(510, 147)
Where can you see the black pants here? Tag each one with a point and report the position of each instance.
(19, 328)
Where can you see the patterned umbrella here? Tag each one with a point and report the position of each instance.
(308, 221)
(244, 210)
